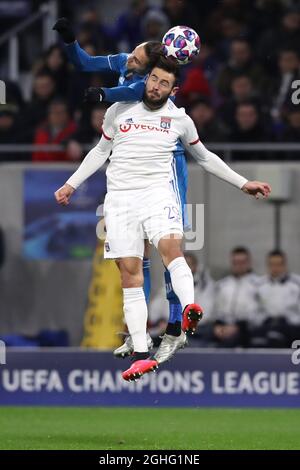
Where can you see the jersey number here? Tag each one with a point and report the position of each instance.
(173, 212)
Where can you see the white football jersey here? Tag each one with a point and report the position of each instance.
(140, 143)
(143, 142)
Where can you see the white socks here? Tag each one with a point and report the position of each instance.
(182, 280)
(136, 313)
(135, 307)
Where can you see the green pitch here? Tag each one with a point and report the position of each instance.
(148, 428)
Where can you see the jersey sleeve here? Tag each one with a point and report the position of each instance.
(189, 132)
(94, 160)
(133, 92)
(109, 126)
(87, 63)
(208, 160)
(117, 62)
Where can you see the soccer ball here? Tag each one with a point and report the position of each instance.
(181, 43)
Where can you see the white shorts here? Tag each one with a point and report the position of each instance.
(136, 215)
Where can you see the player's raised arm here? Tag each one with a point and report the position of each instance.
(94, 160)
(214, 165)
(81, 59)
(133, 92)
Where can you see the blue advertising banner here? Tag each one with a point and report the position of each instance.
(195, 378)
(56, 232)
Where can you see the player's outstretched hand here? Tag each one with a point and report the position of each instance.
(63, 194)
(93, 95)
(65, 30)
(255, 188)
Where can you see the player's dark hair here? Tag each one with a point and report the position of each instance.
(277, 253)
(154, 50)
(240, 250)
(168, 65)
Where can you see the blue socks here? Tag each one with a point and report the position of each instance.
(147, 279)
(175, 309)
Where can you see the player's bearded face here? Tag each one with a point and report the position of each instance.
(159, 86)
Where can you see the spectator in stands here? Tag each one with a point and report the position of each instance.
(44, 90)
(230, 28)
(289, 70)
(11, 132)
(57, 130)
(194, 87)
(266, 14)
(179, 12)
(154, 25)
(92, 30)
(128, 29)
(241, 61)
(274, 39)
(204, 288)
(55, 63)
(208, 61)
(227, 21)
(292, 130)
(248, 128)
(209, 128)
(8, 127)
(236, 303)
(89, 132)
(14, 94)
(242, 90)
(279, 301)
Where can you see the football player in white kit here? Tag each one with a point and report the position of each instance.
(138, 139)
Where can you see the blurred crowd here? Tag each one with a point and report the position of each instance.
(242, 309)
(239, 89)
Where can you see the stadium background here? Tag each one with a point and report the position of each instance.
(239, 92)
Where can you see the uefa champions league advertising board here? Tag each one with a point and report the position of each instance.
(198, 378)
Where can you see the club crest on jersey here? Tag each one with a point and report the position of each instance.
(107, 247)
(165, 122)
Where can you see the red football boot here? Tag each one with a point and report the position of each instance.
(191, 316)
(139, 368)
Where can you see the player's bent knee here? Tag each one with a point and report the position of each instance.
(129, 280)
(170, 249)
(131, 272)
